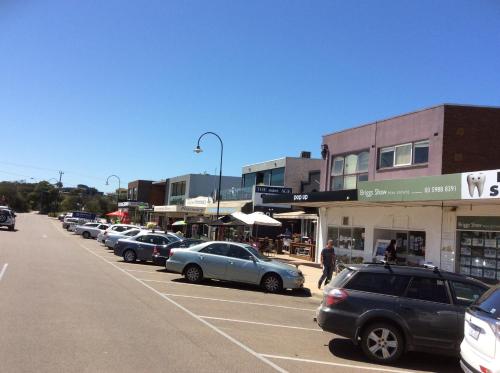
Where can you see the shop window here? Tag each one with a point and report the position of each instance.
(348, 170)
(480, 254)
(404, 155)
(278, 177)
(349, 243)
(428, 289)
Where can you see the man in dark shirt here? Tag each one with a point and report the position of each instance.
(328, 263)
(390, 252)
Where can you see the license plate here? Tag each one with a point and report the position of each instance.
(474, 333)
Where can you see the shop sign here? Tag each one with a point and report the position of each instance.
(481, 184)
(429, 188)
(266, 190)
(478, 223)
(83, 215)
(198, 201)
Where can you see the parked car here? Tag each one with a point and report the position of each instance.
(61, 217)
(114, 228)
(69, 220)
(141, 246)
(161, 254)
(480, 348)
(90, 230)
(389, 310)
(7, 218)
(233, 262)
(113, 237)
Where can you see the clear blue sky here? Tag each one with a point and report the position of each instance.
(126, 87)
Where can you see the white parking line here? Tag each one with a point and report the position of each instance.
(261, 323)
(336, 364)
(4, 268)
(240, 302)
(213, 327)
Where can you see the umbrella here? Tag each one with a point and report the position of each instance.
(118, 214)
(180, 222)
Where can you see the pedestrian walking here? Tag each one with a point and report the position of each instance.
(390, 252)
(327, 263)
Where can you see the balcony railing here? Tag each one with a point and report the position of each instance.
(235, 194)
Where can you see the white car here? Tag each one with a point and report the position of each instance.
(113, 237)
(115, 228)
(7, 218)
(90, 230)
(480, 348)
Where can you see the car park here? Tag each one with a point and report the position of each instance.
(480, 348)
(90, 230)
(141, 246)
(7, 218)
(233, 262)
(161, 253)
(112, 238)
(389, 310)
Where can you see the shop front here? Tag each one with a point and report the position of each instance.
(179, 218)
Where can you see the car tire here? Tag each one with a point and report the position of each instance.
(272, 283)
(193, 274)
(129, 256)
(86, 235)
(11, 227)
(382, 342)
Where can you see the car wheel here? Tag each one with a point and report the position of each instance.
(193, 273)
(86, 235)
(129, 256)
(272, 283)
(382, 342)
(11, 227)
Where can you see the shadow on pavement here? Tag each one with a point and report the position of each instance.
(345, 349)
(7, 230)
(297, 293)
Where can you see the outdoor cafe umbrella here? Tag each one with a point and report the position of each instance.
(179, 222)
(118, 213)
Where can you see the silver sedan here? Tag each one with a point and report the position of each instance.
(233, 262)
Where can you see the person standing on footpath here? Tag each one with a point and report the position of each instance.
(327, 262)
(390, 252)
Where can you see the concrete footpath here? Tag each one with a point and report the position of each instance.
(312, 272)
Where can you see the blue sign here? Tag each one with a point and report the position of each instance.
(83, 215)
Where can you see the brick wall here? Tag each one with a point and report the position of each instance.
(471, 136)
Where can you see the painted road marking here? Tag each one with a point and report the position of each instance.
(336, 364)
(4, 268)
(213, 327)
(240, 302)
(261, 323)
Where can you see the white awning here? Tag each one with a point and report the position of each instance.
(256, 218)
(295, 215)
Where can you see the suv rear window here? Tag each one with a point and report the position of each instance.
(379, 283)
(338, 280)
(466, 294)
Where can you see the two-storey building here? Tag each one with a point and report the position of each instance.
(407, 178)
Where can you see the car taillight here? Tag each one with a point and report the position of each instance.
(335, 296)
(171, 253)
(484, 370)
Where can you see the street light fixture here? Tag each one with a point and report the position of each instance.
(119, 187)
(198, 150)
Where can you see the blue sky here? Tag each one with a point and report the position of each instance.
(126, 87)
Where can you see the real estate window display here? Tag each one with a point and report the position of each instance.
(480, 254)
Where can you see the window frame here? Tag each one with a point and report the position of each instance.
(414, 152)
(343, 175)
(393, 148)
(396, 147)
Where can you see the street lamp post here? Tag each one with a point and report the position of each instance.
(198, 150)
(119, 188)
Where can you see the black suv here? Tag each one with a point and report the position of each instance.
(393, 309)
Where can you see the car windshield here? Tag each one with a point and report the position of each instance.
(256, 253)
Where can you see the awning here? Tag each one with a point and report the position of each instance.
(226, 207)
(180, 209)
(295, 215)
(256, 218)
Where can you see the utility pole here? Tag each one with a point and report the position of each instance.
(59, 184)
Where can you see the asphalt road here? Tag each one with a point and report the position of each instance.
(69, 305)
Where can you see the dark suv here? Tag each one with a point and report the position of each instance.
(389, 310)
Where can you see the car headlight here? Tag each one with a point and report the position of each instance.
(292, 273)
